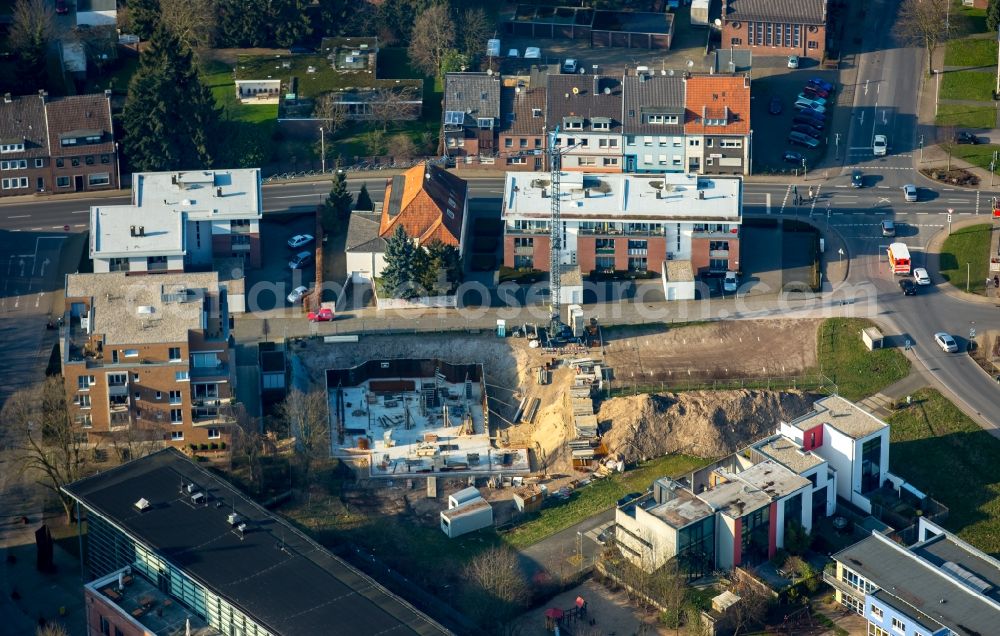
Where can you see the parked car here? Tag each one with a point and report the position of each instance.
(880, 145)
(300, 240)
(909, 289)
(966, 138)
(775, 108)
(921, 277)
(857, 179)
(807, 130)
(812, 90)
(513, 53)
(791, 156)
(802, 140)
(815, 114)
(61, 7)
(804, 102)
(888, 228)
(910, 193)
(296, 294)
(731, 282)
(532, 53)
(300, 260)
(816, 123)
(820, 83)
(323, 315)
(946, 342)
(569, 66)
(793, 61)
(818, 100)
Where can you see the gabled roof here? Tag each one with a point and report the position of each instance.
(362, 234)
(717, 98)
(793, 11)
(427, 202)
(653, 94)
(594, 96)
(474, 94)
(522, 111)
(75, 116)
(279, 577)
(23, 121)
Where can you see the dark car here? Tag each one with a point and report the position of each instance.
(775, 107)
(807, 130)
(857, 179)
(818, 124)
(791, 156)
(815, 114)
(966, 138)
(817, 82)
(815, 91)
(908, 286)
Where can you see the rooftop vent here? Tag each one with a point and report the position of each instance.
(143, 505)
(234, 519)
(145, 310)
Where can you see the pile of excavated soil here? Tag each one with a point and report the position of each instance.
(702, 423)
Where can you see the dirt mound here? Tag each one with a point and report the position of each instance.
(703, 423)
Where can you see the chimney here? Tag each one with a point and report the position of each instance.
(597, 84)
(43, 94)
(6, 98)
(142, 229)
(701, 194)
(218, 192)
(131, 230)
(173, 179)
(107, 93)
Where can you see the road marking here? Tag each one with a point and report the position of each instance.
(37, 229)
(948, 189)
(957, 200)
(768, 203)
(978, 192)
(923, 212)
(80, 225)
(300, 196)
(840, 186)
(882, 187)
(80, 212)
(19, 216)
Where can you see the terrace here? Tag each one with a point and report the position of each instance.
(148, 608)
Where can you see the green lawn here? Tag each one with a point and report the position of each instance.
(969, 245)
(966, 116)
(971, 52)
(942, 452)
(966, 20)
(598, 497)
(978, 155)
(967, 85)
(117, 77)
(857, 371)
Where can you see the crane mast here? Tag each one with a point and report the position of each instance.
(555, 237)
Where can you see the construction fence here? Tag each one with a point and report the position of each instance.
(818, 383)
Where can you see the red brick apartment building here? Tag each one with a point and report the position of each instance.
(776, 27)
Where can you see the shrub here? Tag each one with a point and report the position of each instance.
(222, 445)
(213, 446)
(204, 447)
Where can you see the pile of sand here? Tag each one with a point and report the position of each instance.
(703, 423)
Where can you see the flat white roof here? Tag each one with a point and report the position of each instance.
(111, 232)
(630, 197)
(203, 195)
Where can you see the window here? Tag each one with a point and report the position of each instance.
(14, 164)
(898, 625)
(709, 143)
(637, 264)
(159, 395)
(694, 142)
(98, 179)
(524, 262)
(182, 376)
(131, 353)
(176, 436)
(205, 360)
(213, 433)
(12, 147)
(601, 125)
(611, 161)
(84, 382)
(876, 611)
(796, 36)
(574, 124)
(661, 119)
(522, 142)
(513, 161)
(875, 630)
(612, 143)
(119, 632)
(663, 160)
(813, 44)
(174, 354)
(75, 161)
(83, 401)
(62, 182)
(522, 241)
(508, 143)
(14, 183)
(90, 160)
(718, 245)
(105, 627)
(605, 263)
(676, 161)
(84, 420)
(175, 397)
(647, 158)
(59, 163)
(730, 143)
(176, 416)
(536, 112)
(538, 142)
(105, 159)
(587, 161)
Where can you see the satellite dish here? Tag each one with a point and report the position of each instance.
(670, 72)
(576, 91)
(607, 90)
(718, 22)
(489, 71)
(690, 63)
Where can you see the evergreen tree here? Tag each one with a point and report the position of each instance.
(364, 199)
(993, 15)
(441, 269)
(144, 17)
(336, 212)
(291, 21)
(243, 23)
(169, 114)
(402, 261)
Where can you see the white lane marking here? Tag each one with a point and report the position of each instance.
(20, 216)
(300, 196)
(81, 212)
(957, 200)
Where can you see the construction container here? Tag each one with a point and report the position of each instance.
(470, 516)
(699, 12)
(576, 321)
(466, 494)
(528, 499)
(872, 338)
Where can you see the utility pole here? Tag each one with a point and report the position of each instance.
(836, 141)
(938, 91)
(805, 169)
(322, 149)
(921, 148)
(968, 270)
(993, 168)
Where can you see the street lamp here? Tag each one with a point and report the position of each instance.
(938, 91)
(921, 148)
(322, 149)
(805, 168)
(968, 269)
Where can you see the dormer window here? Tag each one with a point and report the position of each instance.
(536, 112)
(485, 123)
(12, 147)
(573, 123)
(600, 123)
(661, 119)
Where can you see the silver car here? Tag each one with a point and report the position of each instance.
(946, 342)
(910, 192)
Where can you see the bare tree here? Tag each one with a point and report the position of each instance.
(392, 104)
(51, 629)
(307, 417)
(32, 25)
(667, 588)
(947, 143)
(36, 424)
(249, 443)
(433, 34)
(497, 587)
(139, 439)
(402, 146)
(924, 23)
(474, 29)
(332, 113)
(192, 21)
(754, 600)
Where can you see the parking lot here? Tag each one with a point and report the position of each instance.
(268, 286)
(772, 78)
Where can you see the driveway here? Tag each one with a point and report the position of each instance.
(559, 554)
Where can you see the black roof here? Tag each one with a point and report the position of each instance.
(653, 94)
(275, 574)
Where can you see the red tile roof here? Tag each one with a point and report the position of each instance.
(429, 208)
(717, 97)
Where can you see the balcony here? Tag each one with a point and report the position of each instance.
(524, 250)
(637, 251)
(510, 229)
(718, 254)
(118, 389)
(704, 232)
(221, 415)
(830, 578)
(219, 370)
(604, 250)
(157, 267)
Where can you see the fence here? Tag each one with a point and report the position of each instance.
(819, 383)
(359, 164)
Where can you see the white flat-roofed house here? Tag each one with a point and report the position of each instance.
(97, 12)
(625, 222)
(180, 220)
